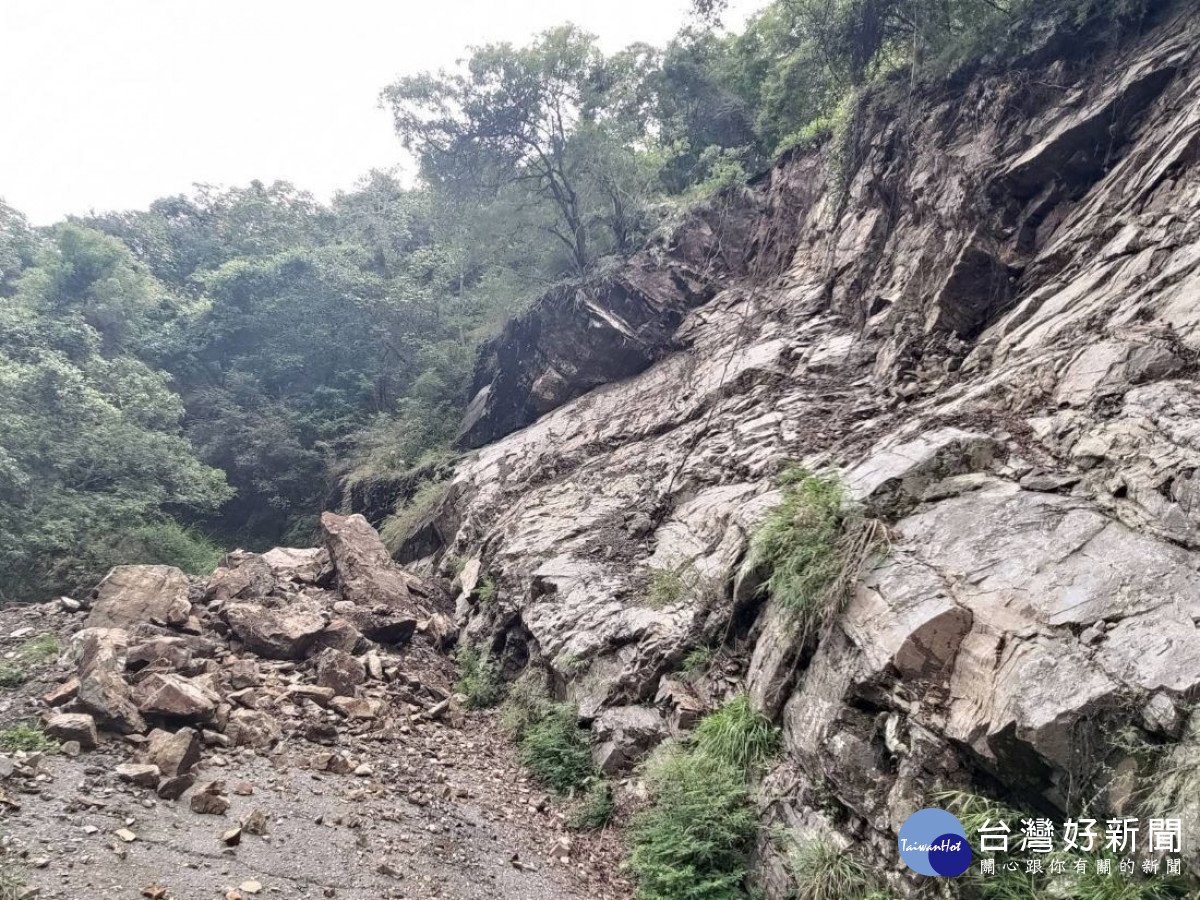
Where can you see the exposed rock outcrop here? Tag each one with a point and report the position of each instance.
(992, 334)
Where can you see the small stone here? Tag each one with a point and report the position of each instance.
(155, 892)
(126, 835)
(70, 748)
(255, 822)
(243, 789)
(363, 769)
(250, 887)
(210, 800)
(232, 837)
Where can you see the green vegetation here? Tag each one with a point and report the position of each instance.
(556, 750)
(596, 807)
(478, 677)
(11, 677)
(813, 546)
(40, 649)
(738, 734)
(206, 372)
(825, 872)
(694, 840)
(974, 810)
(398, 526)
(697, 661)
(486, 589)
(27, 737)
(666, 588)
(528, 701)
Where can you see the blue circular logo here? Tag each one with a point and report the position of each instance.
(933, 842)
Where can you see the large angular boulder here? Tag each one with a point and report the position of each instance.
(283, 633)
(100, 655)
(239, 576)
(288, 564)
(73, 727)
(132, 594)
(385, 608)
(340, 672)
(174, 754)
(172, 696)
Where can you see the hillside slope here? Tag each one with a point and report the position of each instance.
(983, 309)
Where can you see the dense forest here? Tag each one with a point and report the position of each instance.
(203, 373)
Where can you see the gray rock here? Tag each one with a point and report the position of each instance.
(132, 594)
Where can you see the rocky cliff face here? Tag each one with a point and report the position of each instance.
(984, 311)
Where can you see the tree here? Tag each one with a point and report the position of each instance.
(90, 444)
(508, 118)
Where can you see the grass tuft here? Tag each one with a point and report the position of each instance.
(26, 737)
(813, 546)
(40, 649)
(528, 701)
(738, 734)
(597, 807)
(11, 677)
(697, 661)
(824, 872)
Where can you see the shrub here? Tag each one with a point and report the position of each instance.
(737, 734)
(478, 677)
(694, 842)
(813, 547)
(596, 809)
(824, 872)
(11, 677)
(556, 750)
(168, 543)
(25, 737)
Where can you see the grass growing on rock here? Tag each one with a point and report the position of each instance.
(397, 527)
(738, 734)
(26, 737)
(812, 547)
(694, 841)
(822, 871)
(974, 810)
(11, 677)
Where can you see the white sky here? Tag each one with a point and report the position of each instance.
(108, 104)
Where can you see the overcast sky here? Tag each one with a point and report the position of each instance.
(108, 104)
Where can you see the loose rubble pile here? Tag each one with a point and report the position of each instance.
(290, 643)
(241, 695)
